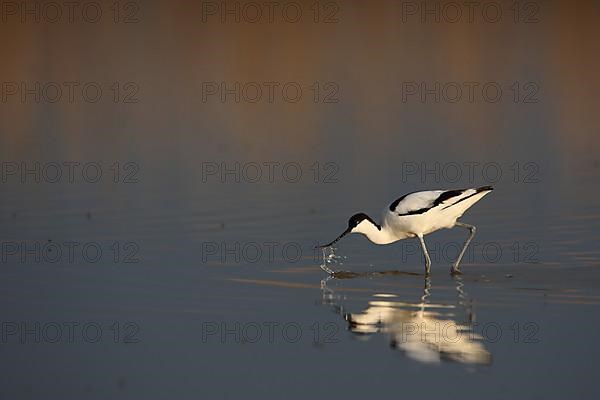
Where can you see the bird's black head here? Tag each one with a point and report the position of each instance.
(357, 219)
(353, 222)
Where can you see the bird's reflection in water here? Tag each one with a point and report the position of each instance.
(423, 331)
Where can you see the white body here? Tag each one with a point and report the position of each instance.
(405, 220)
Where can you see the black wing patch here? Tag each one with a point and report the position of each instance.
(398, 200)
(419, 211)
(442, 197)
(478, 190)
(447, 195)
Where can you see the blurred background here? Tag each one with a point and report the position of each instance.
(153, 153)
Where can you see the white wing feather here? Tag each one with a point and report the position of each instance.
(417, 201)
(423, 201)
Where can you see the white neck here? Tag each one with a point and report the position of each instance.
(377, 235)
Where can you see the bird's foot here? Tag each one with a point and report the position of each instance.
(455, 271)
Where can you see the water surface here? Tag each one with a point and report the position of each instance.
(209, 285)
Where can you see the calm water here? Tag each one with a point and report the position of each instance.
(188, 270)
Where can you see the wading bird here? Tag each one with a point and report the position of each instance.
(417, 214)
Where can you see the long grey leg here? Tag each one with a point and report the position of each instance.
(426, 254)
(455, 267)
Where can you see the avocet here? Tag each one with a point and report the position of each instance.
(418, 214)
